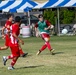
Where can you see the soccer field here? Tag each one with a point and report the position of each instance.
(62, 63)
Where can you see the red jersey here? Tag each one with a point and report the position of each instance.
(14, 29)
(7, 25)
(7, 28)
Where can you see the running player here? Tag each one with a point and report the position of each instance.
(43, 27)
(13, 44)
(7, 35)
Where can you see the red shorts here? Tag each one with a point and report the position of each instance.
(15, 50)
(7, 40)
(45, 35)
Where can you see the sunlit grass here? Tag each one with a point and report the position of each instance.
(62, 63)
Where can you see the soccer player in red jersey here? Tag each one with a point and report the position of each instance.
(7, 35)
(13, 44)
(43, 27)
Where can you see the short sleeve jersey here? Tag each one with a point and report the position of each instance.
(7, 25)
(42, 25)
(14, 29)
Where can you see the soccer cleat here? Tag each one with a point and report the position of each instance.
(24, 55)
(38, 52)
(4, 60)
(11, 68)
(52, 51)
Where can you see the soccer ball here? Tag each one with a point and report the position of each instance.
(64, 31)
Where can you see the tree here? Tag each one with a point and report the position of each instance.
(67, 16)
(50, 15)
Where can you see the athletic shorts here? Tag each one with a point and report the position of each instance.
(15, 50)
(7, 40)
(45, 35)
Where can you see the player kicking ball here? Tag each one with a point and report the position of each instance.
(43, 27)
(13, 44)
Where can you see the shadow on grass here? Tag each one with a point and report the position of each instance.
(58, 52)
(27, 56)
(55, 53)
(30, 67)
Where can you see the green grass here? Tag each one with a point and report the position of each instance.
(62, 63)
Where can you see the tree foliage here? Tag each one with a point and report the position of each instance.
(50, 15)
(67, 15)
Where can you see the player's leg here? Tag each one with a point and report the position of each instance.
(15, 54)
(5, 58)
(4, 47)
(43, 47)
(7, 40)
(22, 54)
(13, 62)
(47, 41)
(14, 59)
(47, 44)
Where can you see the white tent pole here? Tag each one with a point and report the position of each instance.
(29, 17)
(58, 21)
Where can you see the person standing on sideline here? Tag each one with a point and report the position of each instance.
(7, 35)
(43, 27)
(13, 44)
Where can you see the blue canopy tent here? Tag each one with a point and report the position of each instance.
(19, 6)
(5, 4)
(57, 4)
(15, 5)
